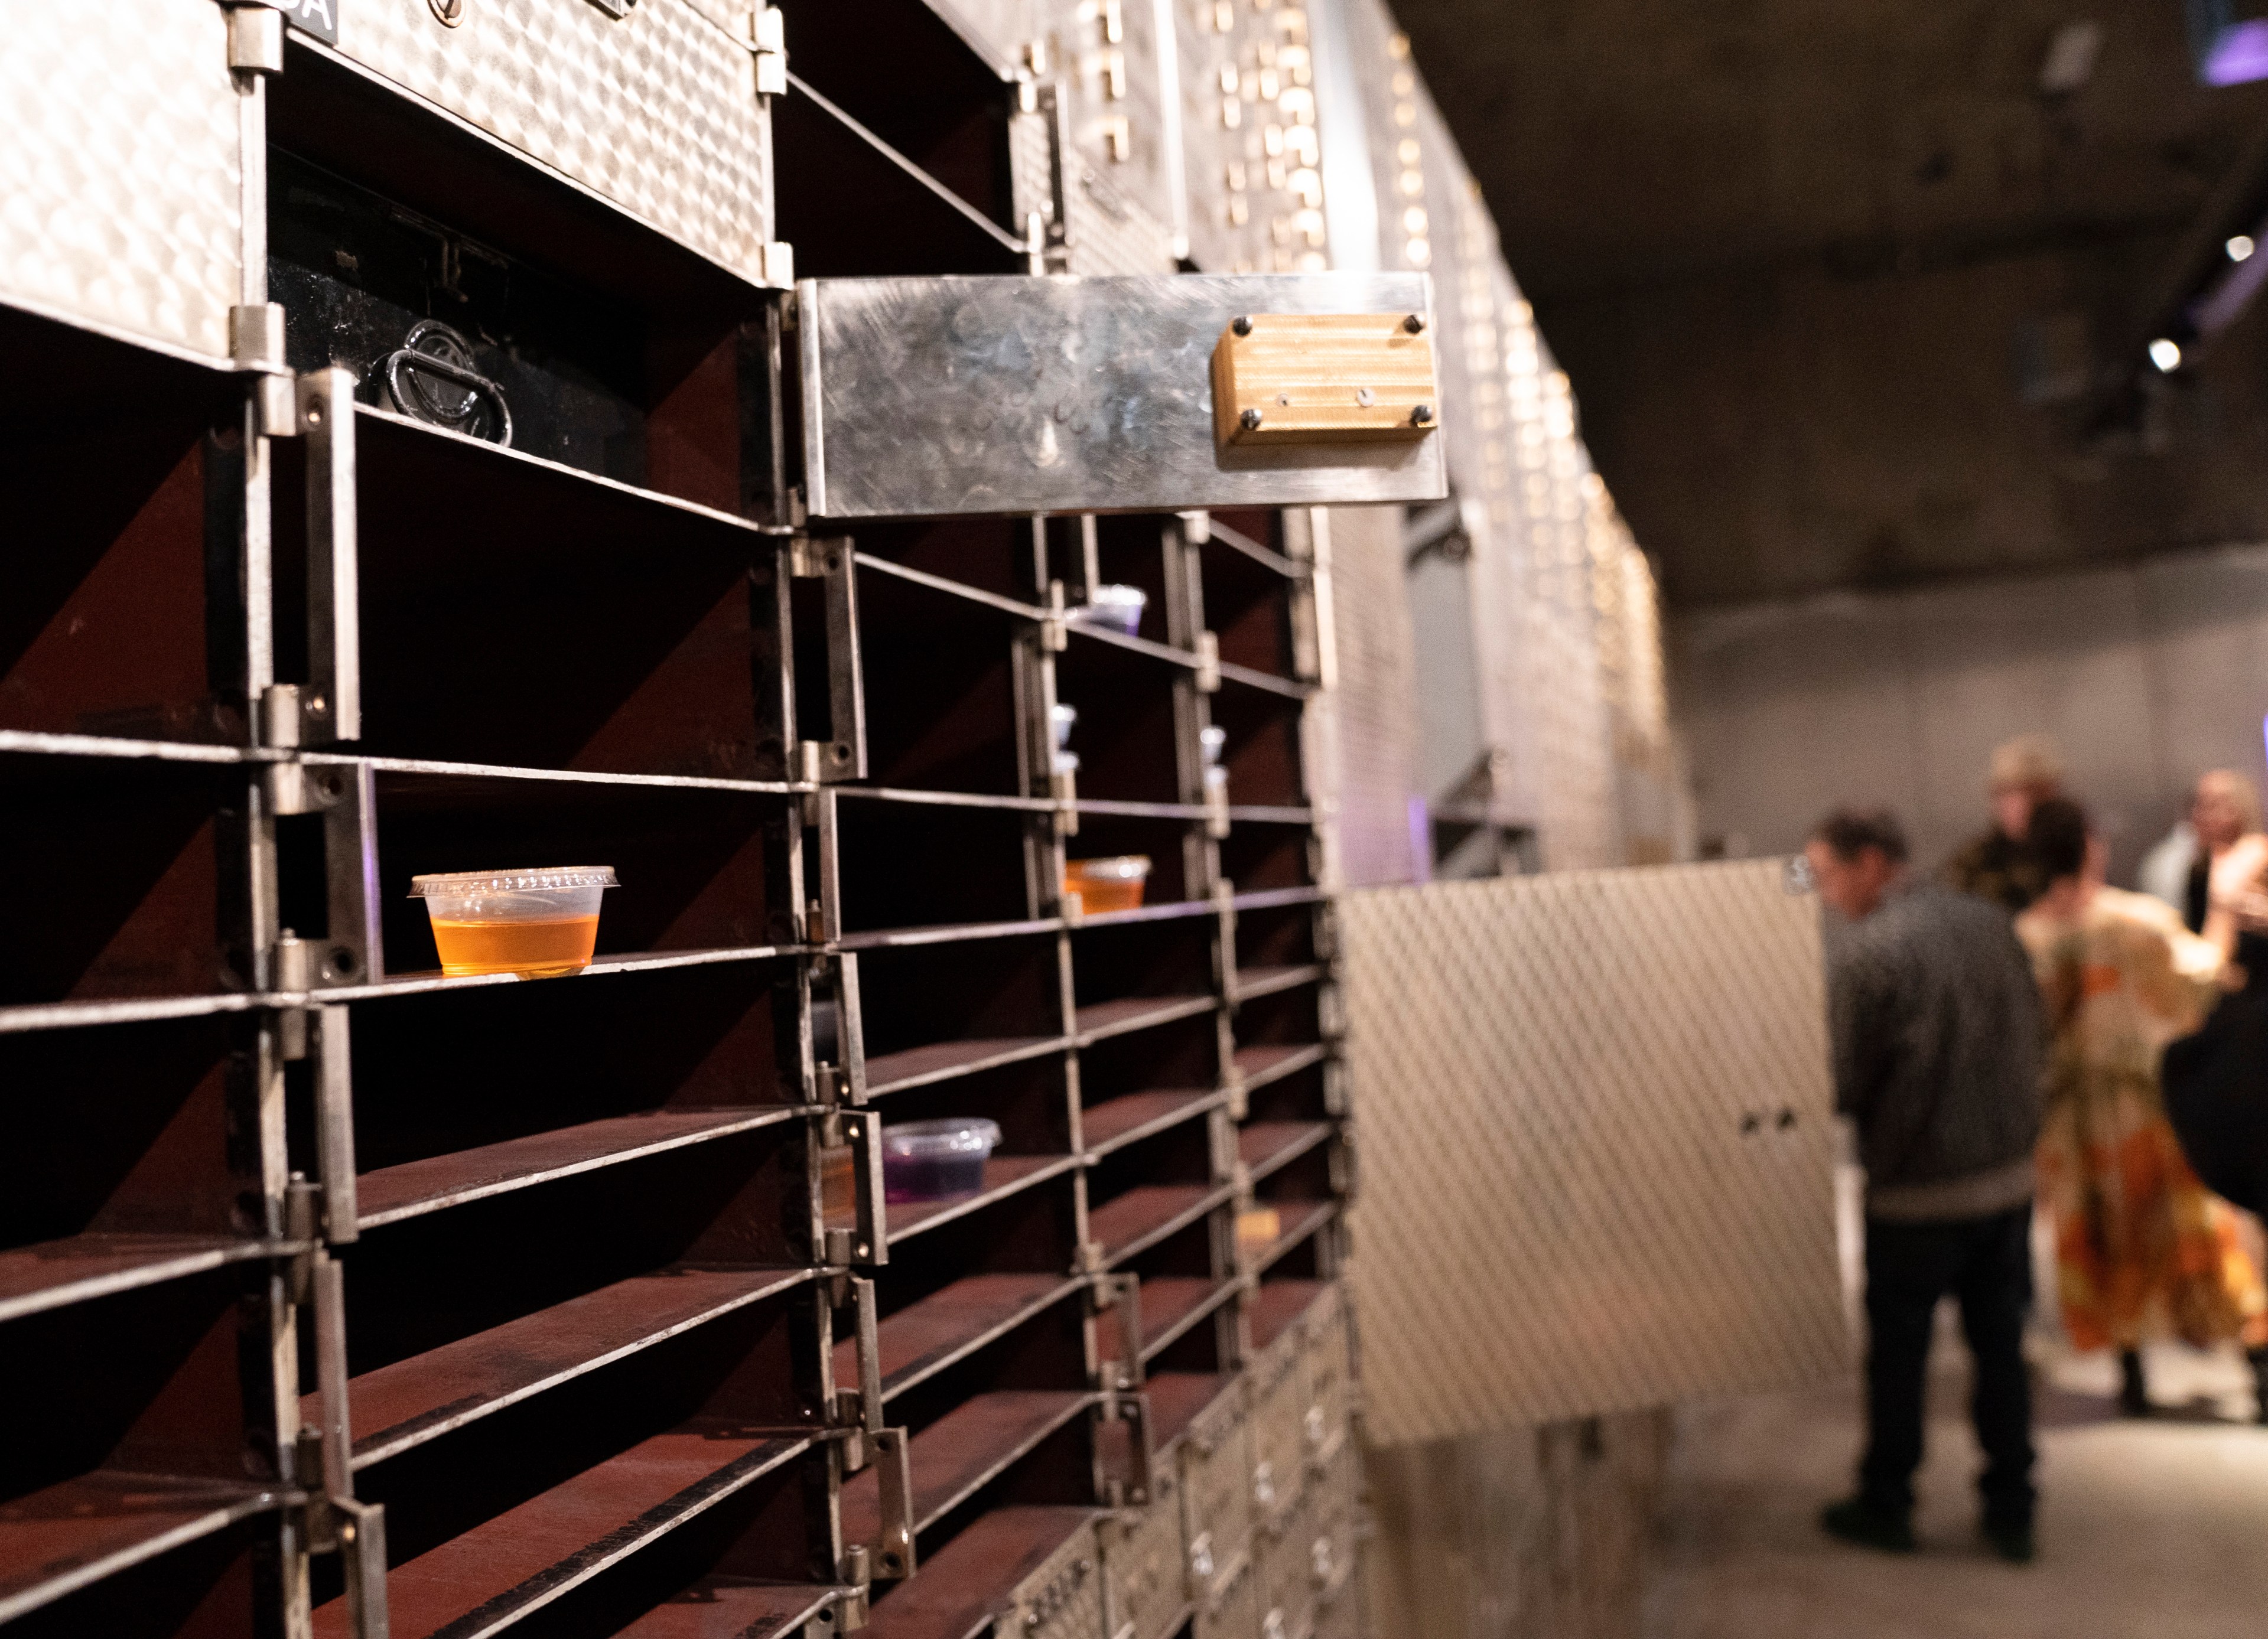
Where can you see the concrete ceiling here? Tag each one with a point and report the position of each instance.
(1791, 254)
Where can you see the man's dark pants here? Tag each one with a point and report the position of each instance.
(1987, 1264)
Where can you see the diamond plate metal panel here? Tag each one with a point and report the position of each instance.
(1597, 1145)
(1144, 1558)
(1215, 1470)
(121, 209)
(1063, 1599)
(656, 111)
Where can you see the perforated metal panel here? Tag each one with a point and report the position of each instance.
(122, 207)
(1597, 1145)
(656, 110)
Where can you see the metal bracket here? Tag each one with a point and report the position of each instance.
(862, 1130)
(1055, 254)
(1134, 1409)
(345, 795)
(859, 1410)
(843, 756)
(336, 1523)
(894, 1555)
(321, 1033)
(332, 708)
(1123, 1293)
(335, 1143)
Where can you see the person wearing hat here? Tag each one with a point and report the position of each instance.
(2001, 865)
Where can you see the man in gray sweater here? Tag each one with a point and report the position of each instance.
(1938, 1034)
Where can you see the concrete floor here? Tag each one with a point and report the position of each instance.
(2154, 1529)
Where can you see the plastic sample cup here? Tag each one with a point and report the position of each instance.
(935, 1160)
(538, 924)
(1117, 607)
(1114, 883)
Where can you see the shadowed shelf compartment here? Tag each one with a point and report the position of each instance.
(52, 1274)
(961, 1452)
(949, 1325)
(1147, 1213)
(414, 1187)
(1004, 1176)
(1266, 1146)
(488, 1578)
(1128, 1120)
(965, 1585)
(67, 1536)
(402, 1405)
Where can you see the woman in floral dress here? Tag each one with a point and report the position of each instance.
(2142, 1248)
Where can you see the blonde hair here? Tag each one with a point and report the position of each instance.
(2032, 762)
(2241, 791)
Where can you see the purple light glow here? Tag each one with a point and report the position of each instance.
(2239, 55)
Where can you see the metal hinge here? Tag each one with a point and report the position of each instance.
(1208, 663)
(776, 265)
(768, 39)
(255, 329)
(256, 39)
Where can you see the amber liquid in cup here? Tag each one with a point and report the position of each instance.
(1097, 896)
(533, 949)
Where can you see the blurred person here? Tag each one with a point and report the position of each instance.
(2141, 1247)
(1999, 864)
(2164, 872)
(2231, 855)
(1938, 1035)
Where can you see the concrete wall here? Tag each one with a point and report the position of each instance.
(2147, 674)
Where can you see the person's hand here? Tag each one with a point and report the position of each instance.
(2249, 908)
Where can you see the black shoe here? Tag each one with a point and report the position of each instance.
(2012, 1539)
(1859, 1521)
(2133, 1388)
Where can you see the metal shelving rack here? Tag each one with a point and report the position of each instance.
(342, 1297)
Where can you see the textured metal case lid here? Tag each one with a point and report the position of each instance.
(124, 210)
(1567, 1209)
(955, 396)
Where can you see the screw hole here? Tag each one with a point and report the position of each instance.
(344, 963)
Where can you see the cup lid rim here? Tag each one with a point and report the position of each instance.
(519, 880)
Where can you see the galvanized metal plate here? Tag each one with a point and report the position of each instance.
(1597, 1145)
(929, 397)
(123, 204)
(656, 110)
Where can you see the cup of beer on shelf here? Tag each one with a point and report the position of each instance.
(1093, 887)
(538, 923)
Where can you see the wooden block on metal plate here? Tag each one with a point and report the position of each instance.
(1324, 378)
